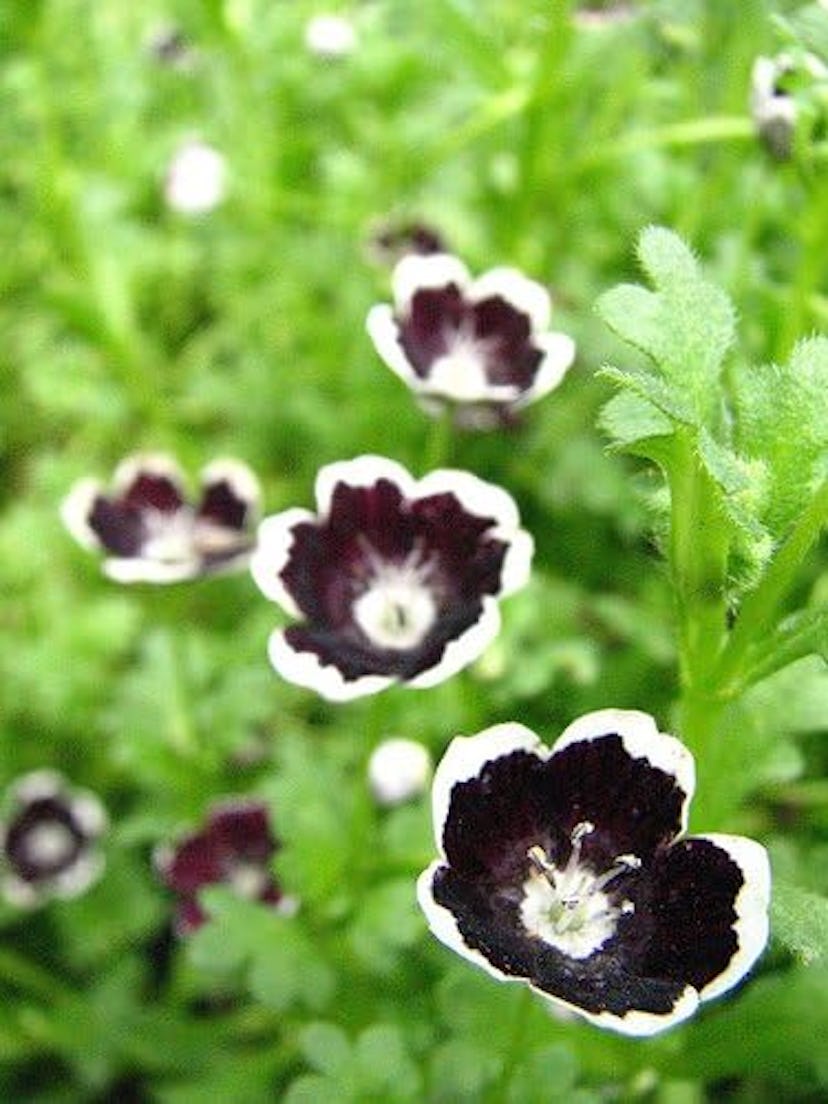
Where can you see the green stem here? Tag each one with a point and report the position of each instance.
(760, 609)
(691, 132)
(698, 559)
(438, 447)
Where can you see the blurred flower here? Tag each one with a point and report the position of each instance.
(390, 241)
(168, 45)
(600, 15)
(196, 179)
(396, 580)
(234, 848)
(149, 530)
(785, 90)
(47, 839)
(398, 770)
(566, 869)
(330, 36)
(480, 346)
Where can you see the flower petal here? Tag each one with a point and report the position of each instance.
(465, 759)
(138, 570)
(362, 471)
(273, 550)
(418, 273)
(525, 295)
(307, 668)
(76, 512)
(230, 494)
(709, 904)
(150, 481)
(558, 351)
(384, 331)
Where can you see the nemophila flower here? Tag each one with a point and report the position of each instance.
(234, 848)
(390, 241)
(330, 36)
(396, 580)
(196, 179)
(777, 85)
(169, 46)
(398, 770)
(152, 533)
(567, 869)
(480, 346)
(48, 839)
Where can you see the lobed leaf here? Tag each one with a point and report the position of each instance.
(799, 920)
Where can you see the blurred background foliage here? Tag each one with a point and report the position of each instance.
(526, 134)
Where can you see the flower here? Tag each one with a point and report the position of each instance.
(389, 241)
(149, 530)
(234, 848)
(567, 869)
(196, 179)
(47, 839)
(330, 36)
(781, 87)
(398, 770)
(396, 580)
(480, 346)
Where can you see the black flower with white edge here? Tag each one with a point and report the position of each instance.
(395, 580)
(234, 848)
(566, 868)
(152, 533)
(48, 840)
(482, 347)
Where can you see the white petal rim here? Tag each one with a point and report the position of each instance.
(149, 463)
(641, 740)
(241, 478)
(558, 356)
(519, 291)
(76, 509)
(135, 569)
(384, 332)
(416, 272)
(361, 471)
(466, 757)
(38, 785)
(272, 553)
(475, 495)
(752, 905)
(306, 669)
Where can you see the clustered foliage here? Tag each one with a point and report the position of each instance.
(526, 134)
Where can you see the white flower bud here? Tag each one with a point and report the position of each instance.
(196, 179)
(398, 770)
(330, 36)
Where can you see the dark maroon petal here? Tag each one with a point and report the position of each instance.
(222, 505)
(118, 527)
(470, 563)
(489, 922)
(435, 317)
(151, 491)
(42, 813)
(242, 833)
(685, 912)
(520, 800)
(505, 333)
(198, 860)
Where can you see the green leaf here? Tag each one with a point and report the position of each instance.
(326, 1048)
(383, 1063)
(630, 419)
(685, 327)
(799, 920)
(782, 421)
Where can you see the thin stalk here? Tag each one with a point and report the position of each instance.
(438, 447)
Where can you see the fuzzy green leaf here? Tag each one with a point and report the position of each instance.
(782, 421)
(685, 327)
(629, 419)
(800, 921)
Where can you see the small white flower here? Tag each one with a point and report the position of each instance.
(196, 180)
(398, 770)
(330, 36)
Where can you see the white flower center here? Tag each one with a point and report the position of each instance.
(398, 606)
(49, 844)
(460, 373)
(248, 880)
(568, 907)
(169, 535)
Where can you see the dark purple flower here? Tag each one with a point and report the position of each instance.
(152, 533)
(395, 580)
(234, 848)
(481, 346)
(566, 868)
(47, 839)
